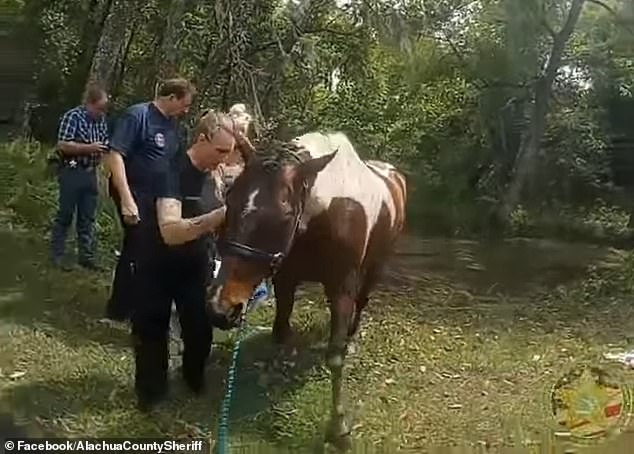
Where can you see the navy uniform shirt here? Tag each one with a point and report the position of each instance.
(147, 140)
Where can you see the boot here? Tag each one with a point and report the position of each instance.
(151, 357)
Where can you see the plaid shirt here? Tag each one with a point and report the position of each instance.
(78, 126)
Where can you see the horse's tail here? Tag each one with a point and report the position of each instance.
(401, 203)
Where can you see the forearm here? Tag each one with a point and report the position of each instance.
(74, 148)
(114, 162)
(245, 147)
(175, 232)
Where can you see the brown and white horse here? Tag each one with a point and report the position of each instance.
(309, 211)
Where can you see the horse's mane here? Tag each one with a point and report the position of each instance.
(273, 154)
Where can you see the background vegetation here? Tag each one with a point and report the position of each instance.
(509, 116)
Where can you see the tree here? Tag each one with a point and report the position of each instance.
(532, 136)
(114, 41)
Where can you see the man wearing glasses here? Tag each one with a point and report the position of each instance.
(82, 140)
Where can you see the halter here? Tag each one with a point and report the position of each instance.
(274, 259)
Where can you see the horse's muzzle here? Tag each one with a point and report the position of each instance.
(227, 321)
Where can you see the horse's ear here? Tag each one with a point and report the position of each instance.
(307, 171)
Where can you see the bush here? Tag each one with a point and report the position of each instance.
(598, 222)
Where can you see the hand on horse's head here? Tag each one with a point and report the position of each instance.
(242, 120)
(245, 147)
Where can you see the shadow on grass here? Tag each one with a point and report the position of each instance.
(101, 403)
(33, 294)
(67, 306)
(266, 378)
(512, 266)
(531, 284)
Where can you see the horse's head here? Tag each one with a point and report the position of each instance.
(264, 215)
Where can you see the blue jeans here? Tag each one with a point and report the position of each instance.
(78, 192)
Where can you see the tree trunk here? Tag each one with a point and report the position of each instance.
(92, 29)
(167, 56)
(112, 44)
(532, 137)
(120, 70)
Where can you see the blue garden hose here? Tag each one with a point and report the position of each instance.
(259, 295)
(223, 426)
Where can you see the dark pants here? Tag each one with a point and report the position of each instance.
(121, 303)
(159, 282)
(78, 192)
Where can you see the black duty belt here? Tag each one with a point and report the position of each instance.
(77, 164)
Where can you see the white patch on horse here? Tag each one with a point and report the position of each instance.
(215, 298)
(345, 176)
(381, 167)
(250, 206)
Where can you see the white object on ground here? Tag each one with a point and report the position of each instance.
(626, 358)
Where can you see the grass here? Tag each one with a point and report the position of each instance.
(439, 363)
(459, 348)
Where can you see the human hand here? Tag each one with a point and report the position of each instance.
(97, 147)
(245, 147)
(130, 212)
(217, 218)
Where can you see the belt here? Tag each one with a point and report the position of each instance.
(73, 163)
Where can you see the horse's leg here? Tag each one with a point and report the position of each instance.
(284, 302)
(341, 312)
(363, 296)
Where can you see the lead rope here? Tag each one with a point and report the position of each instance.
(223, 426)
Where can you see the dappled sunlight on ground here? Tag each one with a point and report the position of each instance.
(460, 347)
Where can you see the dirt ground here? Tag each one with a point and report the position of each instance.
(458, 348)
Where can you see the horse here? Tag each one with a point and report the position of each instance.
(309, 210)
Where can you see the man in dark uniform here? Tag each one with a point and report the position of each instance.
(82, 141)
(142, 145)
(173, 261)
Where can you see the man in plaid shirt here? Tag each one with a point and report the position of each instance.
(82, 140)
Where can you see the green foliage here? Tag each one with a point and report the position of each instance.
(599, 222)
(26, 187)
(442, 90)
(617, 281)
(13, 5)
